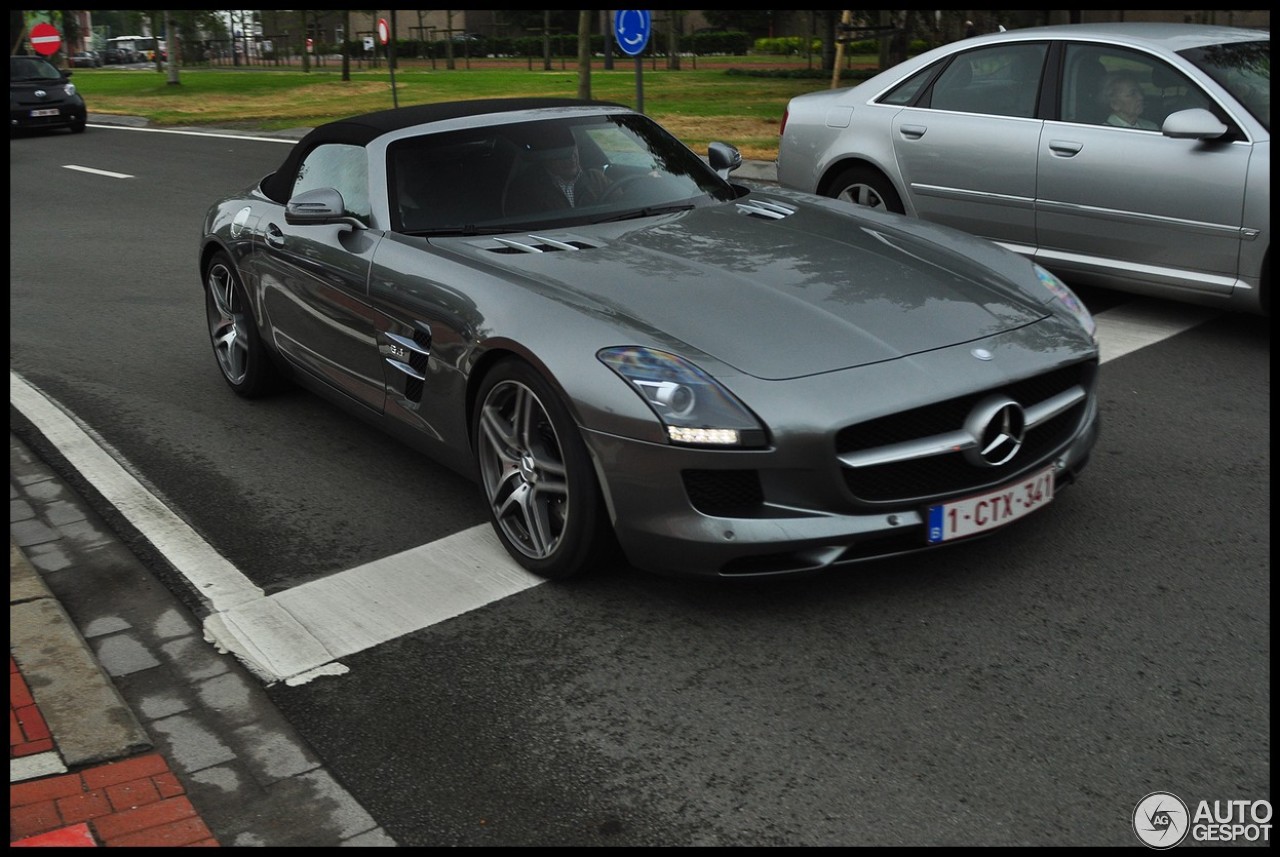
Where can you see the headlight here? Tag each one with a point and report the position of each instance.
(1068, 300)
(693, 406)
(69, 89)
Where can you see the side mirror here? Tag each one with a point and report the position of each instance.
(1194, 124)
(723, 158)
(322, 205)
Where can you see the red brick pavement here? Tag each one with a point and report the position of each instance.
(134, 802)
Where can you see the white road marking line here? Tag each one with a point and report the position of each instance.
(106, 173)
(198, 133)
(298, 634)
(212, 575)
(291, 634)
(1135, 325)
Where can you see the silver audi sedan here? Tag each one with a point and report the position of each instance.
(626, 348)
(1131, 156)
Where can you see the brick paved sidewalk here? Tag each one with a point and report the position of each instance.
(134, 802)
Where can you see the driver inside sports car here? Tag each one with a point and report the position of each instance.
(552, 178)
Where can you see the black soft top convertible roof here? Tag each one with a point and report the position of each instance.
(359, 130)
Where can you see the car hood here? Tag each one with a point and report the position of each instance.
(778, 287)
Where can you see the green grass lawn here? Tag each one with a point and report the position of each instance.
(734, 99)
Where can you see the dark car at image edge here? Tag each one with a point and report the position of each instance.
(43, 97)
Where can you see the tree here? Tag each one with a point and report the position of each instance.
(70, 32)
(173, 47)
(546, 41)
(554, 20)
(584, 53)
(119, 23)
(673, 39)
(346, 45)
(306, 58)
(188, 30)
(755, 23)
(157, 32)
(17, 31)
(448, 40)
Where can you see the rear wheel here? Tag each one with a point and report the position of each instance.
(866, 187)
(537, 476)
(242, 358)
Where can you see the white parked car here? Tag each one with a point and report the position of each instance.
(1131, 156)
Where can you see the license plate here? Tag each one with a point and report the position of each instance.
(52, 111)
(984, 512)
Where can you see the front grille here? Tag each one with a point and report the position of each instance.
(951, 473)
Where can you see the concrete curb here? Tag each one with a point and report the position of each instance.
(107, 654)
(78, 700)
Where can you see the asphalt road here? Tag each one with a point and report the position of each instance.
(1025, 689)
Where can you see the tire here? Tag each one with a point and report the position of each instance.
(866, 187)
(242, 358)
(537, 477)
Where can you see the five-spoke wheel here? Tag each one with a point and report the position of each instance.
(536, 473)
(241, 356)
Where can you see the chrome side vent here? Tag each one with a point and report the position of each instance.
(767, 210)
(537, 244)
(409, 356)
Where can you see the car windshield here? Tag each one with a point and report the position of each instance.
(30, 68)
(549, 173)
(1243, 69)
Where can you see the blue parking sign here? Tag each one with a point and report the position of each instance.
(631, 30)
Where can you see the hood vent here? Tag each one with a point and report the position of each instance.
(537, 244)
(767, 210)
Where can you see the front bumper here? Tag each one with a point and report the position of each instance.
(779, 540)
(795, 509)
(67, 116)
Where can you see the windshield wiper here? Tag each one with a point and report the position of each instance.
(649, 211)
(440, 231)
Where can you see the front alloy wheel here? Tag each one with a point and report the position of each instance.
(241, 356)
(536, 473)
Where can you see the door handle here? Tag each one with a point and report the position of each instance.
(912, 132)
(1065, 148)
(274, 236)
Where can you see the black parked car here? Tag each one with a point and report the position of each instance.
(41, 96)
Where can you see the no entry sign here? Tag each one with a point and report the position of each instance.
(45, 39)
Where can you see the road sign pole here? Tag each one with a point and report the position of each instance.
(391, 65)
(391, 59)
(386, 34)
(639, 85)
(631, 30)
